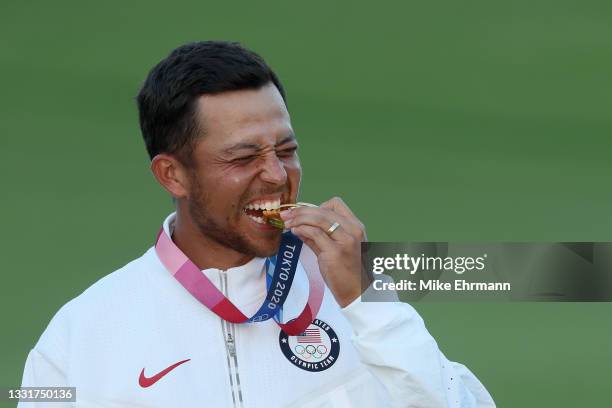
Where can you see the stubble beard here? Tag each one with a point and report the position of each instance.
(209, 227)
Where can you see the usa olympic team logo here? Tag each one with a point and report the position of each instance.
(316, 349)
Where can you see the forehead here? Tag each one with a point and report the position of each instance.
(250, 115)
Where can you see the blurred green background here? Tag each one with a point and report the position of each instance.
(440, 120)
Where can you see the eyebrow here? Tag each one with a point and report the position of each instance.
(255, 146)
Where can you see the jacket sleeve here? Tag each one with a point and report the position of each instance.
(394, 344)
(45, 364)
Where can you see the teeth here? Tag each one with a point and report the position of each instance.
(258, 220)
(264, 205)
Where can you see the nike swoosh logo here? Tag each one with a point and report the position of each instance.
(149, 381)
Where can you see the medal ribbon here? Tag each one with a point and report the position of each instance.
(279, 283)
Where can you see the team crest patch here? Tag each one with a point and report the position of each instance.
(316, 349)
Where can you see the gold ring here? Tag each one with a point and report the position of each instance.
(334, 227)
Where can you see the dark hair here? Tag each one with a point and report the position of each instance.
(167, 99)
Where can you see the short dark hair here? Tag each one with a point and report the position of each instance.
(167, 99)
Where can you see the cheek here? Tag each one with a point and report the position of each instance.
(226, 190)
(237, 175)
(294, 173)
(235, 180)
(230, 180)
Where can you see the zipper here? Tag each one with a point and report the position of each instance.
(229, 337)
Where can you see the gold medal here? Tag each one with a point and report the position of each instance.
(272, 217)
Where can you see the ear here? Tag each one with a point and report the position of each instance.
(171, 175)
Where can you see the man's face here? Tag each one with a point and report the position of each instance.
(246, 158)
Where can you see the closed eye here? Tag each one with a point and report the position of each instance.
(288, 152)
(244, 159)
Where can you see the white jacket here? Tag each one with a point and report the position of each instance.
(140, 319)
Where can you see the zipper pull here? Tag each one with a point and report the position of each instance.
(231, 347)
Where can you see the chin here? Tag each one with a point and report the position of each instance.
(266, 249)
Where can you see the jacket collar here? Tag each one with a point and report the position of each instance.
(244, 285)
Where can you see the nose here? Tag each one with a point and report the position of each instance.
(273, 171)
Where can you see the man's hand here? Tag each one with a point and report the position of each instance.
(338, 253)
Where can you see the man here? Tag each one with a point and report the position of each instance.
(164, 331)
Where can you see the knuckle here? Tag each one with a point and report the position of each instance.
(345, 252)
(320, 233)
(351, 241)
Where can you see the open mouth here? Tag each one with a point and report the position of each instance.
(264, 211)
(267, 212)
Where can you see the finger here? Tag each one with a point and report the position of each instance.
(310, 244)
(323, 219)
(339, 234)
(336, 204)
(319, 239)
